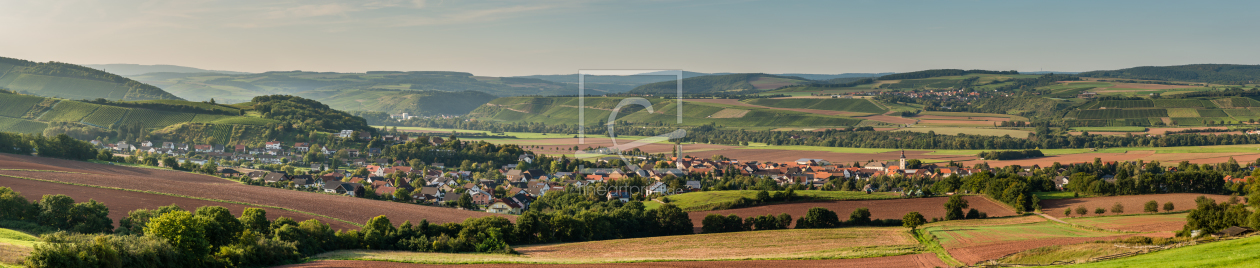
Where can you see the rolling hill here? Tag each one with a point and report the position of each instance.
(138, 69)
(64, 80)
(395, 101)
(239, 88)
(1232, 74)
(251, 122)
(564, 110)
(721, 84)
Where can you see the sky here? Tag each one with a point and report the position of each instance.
(513, 38)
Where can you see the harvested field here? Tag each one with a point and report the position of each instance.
(880, 209)
(890, 119)
(1078, 252)
(1067, 158)
(976, 123)
(782, 156)
(1133, 204)
(1135, 223)
(352, 209)
(120, 202)
(916, 260)
(730, 113)
(974, 254)
(974, 241)
(837, 243)
(969, 118)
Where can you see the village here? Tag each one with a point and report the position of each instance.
(368, 175)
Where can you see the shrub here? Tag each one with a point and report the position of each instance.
(1168, 206)
(913, 220)
(1081, 210)
(1117, 208)
(1099, 211)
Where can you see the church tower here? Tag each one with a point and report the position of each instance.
(903, 160)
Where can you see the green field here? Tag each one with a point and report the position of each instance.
(692, 200)
(17, 238)
(1232, 253)
(1212, 113)
(848, 105)
(1056, 195)
(1111, 129)
(1183, 103)
(1115, 104)
(962, 235)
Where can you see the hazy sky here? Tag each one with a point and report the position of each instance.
(503, 38)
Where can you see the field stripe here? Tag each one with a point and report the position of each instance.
(169, 194)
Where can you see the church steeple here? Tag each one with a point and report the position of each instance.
(903, 159)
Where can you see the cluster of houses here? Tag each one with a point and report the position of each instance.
(273, 152)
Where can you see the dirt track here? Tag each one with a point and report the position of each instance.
(812, 111)
(880, 209)
(356, 210)
(916, 260)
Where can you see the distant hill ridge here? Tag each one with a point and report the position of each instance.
(1233, 74)
(57, 79)
(722, 84)
(125, 69)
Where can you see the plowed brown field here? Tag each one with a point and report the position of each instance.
(974, 254)
(352, 209)
(120, 202)
(1133, 204)
(916, 260)
(880, 209)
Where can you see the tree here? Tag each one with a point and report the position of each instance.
(1151, 207)
(673, 221)
(785, 220)
(713, 223)
(401, 194)
(1067, 212)
(860, 216)
(255, 219)
(973, 214)
(1081, 210)
(913, 220)
(466, 202)
(182, 230)
(1099, 211)
(55, 211)
(1117, 208)
(219, 225)
(378, 233)
(818, 218)
(954, 207)
(1168, 207)
(763, 196)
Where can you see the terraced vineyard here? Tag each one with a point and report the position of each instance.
(1183, 103)
(17, 105)
(106, 116)
(1111, 104)
(22, 125)
(151, 118)
(69, 111)
(1116, 114)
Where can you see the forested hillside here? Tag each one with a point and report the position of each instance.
(939, 73)
(1232, 74)
(395, 101)
(721, 84)
(64, 80)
